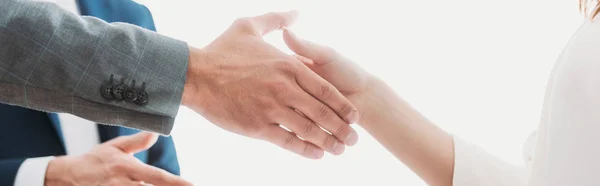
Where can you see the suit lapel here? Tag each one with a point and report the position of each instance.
(107, 132)
(56, 125)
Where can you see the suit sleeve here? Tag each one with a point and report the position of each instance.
(55, 61)
(164, 156)
(8, 170)
(474, 166)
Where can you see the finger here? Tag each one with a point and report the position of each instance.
(289, 141)
(310, 131)
(134, 143)
(272, 21)
(329, 107)
(324, 91)
(319, 54)
(155, 176)
(325, 118)
(304, 60)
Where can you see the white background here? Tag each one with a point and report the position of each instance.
(477, 68)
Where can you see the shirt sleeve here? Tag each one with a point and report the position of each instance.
(474, 166)
(33, 172)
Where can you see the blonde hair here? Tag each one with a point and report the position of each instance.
(590, 8)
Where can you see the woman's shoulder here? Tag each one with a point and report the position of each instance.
(584, 46)
(587, 34)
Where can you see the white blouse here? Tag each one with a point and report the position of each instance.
(566, 149)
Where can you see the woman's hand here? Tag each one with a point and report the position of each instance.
(350, 79)
(384, 114)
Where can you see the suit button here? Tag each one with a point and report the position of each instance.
(142, 98)
(130, 93)
(142, 95)
(118, 90)
(106, 90)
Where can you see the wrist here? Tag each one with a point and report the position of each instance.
(374, 100)
(197, 57)
(58, 172)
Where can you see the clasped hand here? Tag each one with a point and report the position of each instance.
(245, 85)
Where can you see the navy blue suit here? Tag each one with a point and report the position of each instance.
(26, 133)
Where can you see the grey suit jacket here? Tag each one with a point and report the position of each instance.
(55, 61)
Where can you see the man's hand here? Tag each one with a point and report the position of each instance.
(249, 87)
(350, 79)
(111, 163)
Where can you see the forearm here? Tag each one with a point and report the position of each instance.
(412, 138)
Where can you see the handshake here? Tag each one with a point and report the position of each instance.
(303, 103)
(247, 86)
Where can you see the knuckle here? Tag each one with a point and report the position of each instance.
(243, 22)
(118, 167)
(270, 109)
(346, 108)
(326, 91)
(323, 111)
(258, 130)
(289, 142)
(308, 128)
(272, 114)
(342, 131)
(285, 66)
(328, 141)
(255, 127)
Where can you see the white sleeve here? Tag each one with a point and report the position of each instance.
(570, 154)
(473, 166)
(33, 172)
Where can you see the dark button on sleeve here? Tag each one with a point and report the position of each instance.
(142, 97)
(131, 94)
(106, 89)
(118, 90)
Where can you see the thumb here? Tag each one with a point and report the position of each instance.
(319, 54)
(134, 143)
(273, 21)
